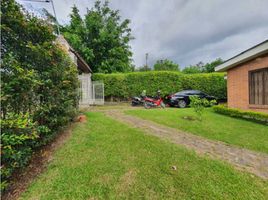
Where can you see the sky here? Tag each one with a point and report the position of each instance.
(184, 31)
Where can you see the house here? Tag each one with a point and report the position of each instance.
(247, 78)
(82, 66)
(90, 92)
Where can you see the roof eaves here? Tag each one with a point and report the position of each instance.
(244, 56)
(81, 59)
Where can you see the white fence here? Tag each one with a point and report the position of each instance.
(91, 92)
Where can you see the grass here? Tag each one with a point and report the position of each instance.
(214, 126)
(105, 159)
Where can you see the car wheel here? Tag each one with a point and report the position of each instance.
(182, 104)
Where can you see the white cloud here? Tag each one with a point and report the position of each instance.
(181, 30)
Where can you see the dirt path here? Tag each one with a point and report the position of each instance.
(242, 159)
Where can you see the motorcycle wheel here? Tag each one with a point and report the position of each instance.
(162, 105)
(134, 103)
(147, 105)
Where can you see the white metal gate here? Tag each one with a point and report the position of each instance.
(98, 92)
(91, 93)
(85, 90)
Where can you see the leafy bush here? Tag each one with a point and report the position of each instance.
(18, 131)
(38, 87)
(249, 115)
(130, 84)
(199, 104)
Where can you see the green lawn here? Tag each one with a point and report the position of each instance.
(214, 126)
(105, 159)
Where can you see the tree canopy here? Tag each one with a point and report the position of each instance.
(144, 68)
(102, 38)
(166, 65)
(210, 67)
(192, 69)
(202, 68)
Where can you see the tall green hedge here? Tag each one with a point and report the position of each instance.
(130, 84)
(38, 87)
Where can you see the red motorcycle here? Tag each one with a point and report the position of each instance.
(154, 102)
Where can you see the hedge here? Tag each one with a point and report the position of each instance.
(38, 87)
(131, 84)
(248, 115)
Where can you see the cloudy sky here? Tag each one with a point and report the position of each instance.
(185, 31)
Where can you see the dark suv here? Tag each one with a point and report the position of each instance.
(182, 99)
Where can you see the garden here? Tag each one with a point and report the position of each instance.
(107, 159)
(233, 131)
(52, 149)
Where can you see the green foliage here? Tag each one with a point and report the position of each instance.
(203, 68)
(192, 70)
(166, 65)
(38, 86)
(199, 104)
(144, 68)
(17, 136)
(131, 84)
(249, 115)
(210, 67)
(102, 38)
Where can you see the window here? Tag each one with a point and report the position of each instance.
(258, 87)
(194, 92)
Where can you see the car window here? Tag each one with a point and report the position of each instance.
(180, 93)
(194, 92)
(190, 92)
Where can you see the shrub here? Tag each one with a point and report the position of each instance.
(18, 133)
(199, 104)
(249, 115)
(131, 84)
(38, 87)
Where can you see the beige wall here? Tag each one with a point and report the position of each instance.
(238, 86)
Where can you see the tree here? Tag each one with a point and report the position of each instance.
(192, 70)
(210, 67)
(102, 38)
(144, 68)
(202, 68)
(199, 105)
(166, 65)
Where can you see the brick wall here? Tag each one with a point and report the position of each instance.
(238, 85)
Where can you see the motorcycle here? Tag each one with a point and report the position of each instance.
(154, 102)
(137, 101)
